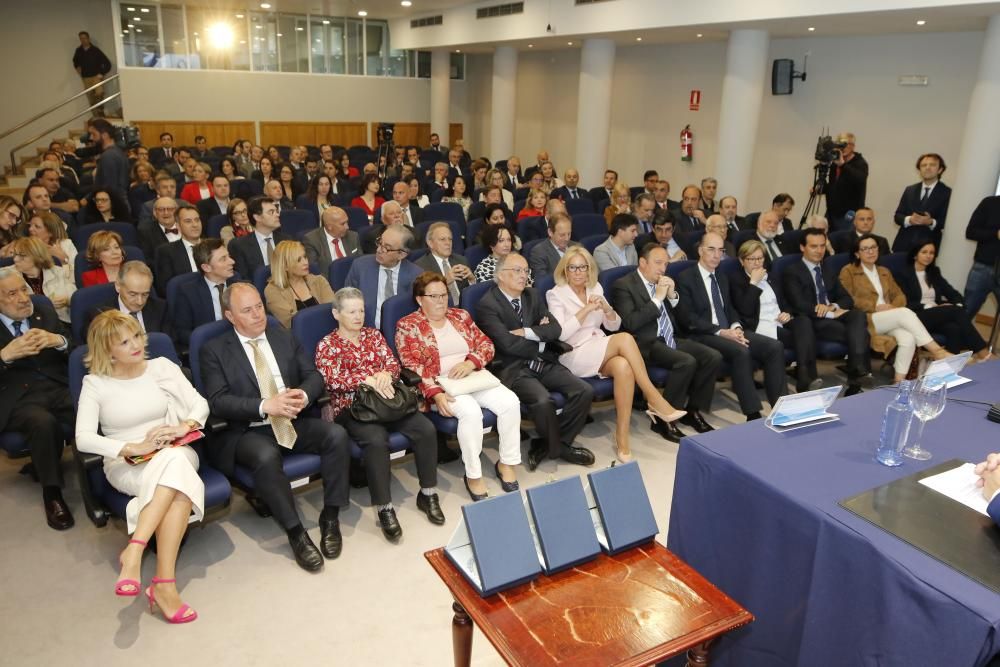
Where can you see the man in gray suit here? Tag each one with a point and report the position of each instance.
(545, 255)
(456, 271)
(166, 186)
(332, 241)
(619, 249)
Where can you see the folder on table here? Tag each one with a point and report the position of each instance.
(626, 517)
(562, 523)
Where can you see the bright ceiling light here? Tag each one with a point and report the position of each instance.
(138, 29)
(362, 13)
(699, 35)
(220, 36)
(531, 46)
(406, 3)
(259, 27)
(137, 19)
(299, 28)
(638, 39)
(265, 5)
(921, 22)
(131, 9)
(239, 16)
(280, 35)
(144, 10)
(130, 25)
(812, 29)
(569, 43)
(458, 50)
(326, 21)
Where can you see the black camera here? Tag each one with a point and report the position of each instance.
(127, 137)
(828, 150)
(385, 132)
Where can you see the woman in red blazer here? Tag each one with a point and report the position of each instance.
(201, 187)
(106, 252)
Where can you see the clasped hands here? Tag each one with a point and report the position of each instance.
(597, 302)
(735, 334)
(30, 343)
(381, 382)
(156, 438)
(823, 308)
(288, 403)
(920, 219)
(989, 475)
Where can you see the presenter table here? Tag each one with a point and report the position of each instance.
(635, 608)
(756, 513)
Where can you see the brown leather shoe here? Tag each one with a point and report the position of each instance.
(58, 515)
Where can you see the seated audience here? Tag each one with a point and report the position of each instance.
(546, 255)
(550, 181)
(923, 206)
(265, 418)
(349, 356)
(291, 286)
(230, 168)
(734, 222)
(938, 305)
(289, 188)
(255, 250)
(479, 168)
(437, 341)
(162, 229)
(199, 188)
(499, 240)
(663, 236)
(265, 170)
(864, 223)
(661, 195)
(417, 196)
(494, 177)
(577, 302)
(142, 188)
(890, 323)
(319, 196)
(177, 257)
(105, 252)
(36, 401)
(619, 248)
(605, 192)
(333, 240)
(458, 194)
(166, 186)
(33, 260)
(50, 230)
(717, 225)
(201, 302)
(645, 211)
(709, 186)
(368, 198)
(239, 221)
(273, 189)
(571, 187)
(134, 297)
(534, 205)
(218, 203)
(412, 215)
(438, 183)
(782, 205)
(11, 216)
(105, 205)
(769, 235)
(690, 217)
(61, 198)
(441, 259)
(142, 406)
(384, 274)
(817, 221)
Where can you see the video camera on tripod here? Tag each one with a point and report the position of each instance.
(386, 148)
(827, 152)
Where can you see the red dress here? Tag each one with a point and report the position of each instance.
(358, 202)
(345, 365)
(94, 277)
(192, 192)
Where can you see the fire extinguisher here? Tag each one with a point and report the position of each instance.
(687, 144)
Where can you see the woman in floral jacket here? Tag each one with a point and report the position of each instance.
(437, 340)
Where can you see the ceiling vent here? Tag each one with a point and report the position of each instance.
(427, 21)
(500, 10)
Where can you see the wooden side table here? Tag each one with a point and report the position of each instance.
(636, 608)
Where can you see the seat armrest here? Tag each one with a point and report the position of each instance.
(409, 378)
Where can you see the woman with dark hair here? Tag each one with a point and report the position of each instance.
(496, 214)
(345, 172)
(368, 198)
(229, 169)
(939, 306)
(286, 176)
(239, 221)
(499, 240)
(266, 171)
(105, 205)
(12, 215)
(458, 193)
(417, 195)
(318, 197)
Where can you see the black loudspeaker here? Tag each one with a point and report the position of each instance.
(782, 74)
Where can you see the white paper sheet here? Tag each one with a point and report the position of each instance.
(959, 484)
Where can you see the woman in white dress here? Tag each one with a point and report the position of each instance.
(142, 406)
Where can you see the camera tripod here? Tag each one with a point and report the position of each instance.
(821, 170)
(386, 149)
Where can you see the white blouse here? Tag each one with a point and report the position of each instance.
(872, 274)
(928, 295)
(767, 324)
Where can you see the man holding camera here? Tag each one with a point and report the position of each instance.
(846, 184)
(112, 165)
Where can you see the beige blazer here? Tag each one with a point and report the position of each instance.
(865, 297)
(58, 283)
(281, 302)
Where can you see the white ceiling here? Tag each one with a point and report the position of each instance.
(380, 9)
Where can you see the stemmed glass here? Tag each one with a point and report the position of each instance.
(928, 400)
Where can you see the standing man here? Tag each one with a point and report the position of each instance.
(255, 250)
(984, 229)
(112, 166)
(847, 184)
(619, 248)
(91, 66)
(646, 300)
(332, 241)
(923, 207)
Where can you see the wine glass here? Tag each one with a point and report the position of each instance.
(928, 400)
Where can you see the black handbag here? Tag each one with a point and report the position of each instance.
(369, 406)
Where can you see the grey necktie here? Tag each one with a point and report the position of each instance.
(270, 249)
(389, 290)
(453, 285)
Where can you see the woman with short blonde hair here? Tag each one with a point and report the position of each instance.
(292, 287)
(33, 260)
(48, 228)
(621, 202)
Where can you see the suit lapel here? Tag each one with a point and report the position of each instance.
(240, 357)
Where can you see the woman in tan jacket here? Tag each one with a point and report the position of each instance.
(890, 322)
(291, 287)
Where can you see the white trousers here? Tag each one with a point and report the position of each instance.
(468, 408)
(909, 332)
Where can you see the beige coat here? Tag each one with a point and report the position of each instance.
(856, 282)
(281, 302)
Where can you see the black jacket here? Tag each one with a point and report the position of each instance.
(846, 190)
(909, 203)
(640, 316)
(983, 228)
(17, 377)
(154, 315)
(943, 291)
(695, 307)
(798, 287)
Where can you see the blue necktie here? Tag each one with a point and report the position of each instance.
(17, 328)
(664, 327)
(821, 295)
(516, 303)
(720, 311)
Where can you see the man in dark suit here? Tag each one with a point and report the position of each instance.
(384, 274)
(176, 166)
(864, 223)
(661, 195)
(133, 286)
(546, 255)
(166, 186)
(201, 301)
(218, 204)
(734, 222)
(513, 179)
(255, 250)
(847, 184)
(769, 233)
(571, 189)
(526, 336)
(436, 145)
(259, 379)
(456, 271)
(602, 193)
(690, 218)
(494, 195)
(664, 236)
(455, 165)
(541, 158)
(812, 290)
(412, 215)
(177, 257)
(650, 178)
(36, 401)
(645, 299)
(708, 316)
(439, 181)
(164, 153)
(984, 229)
(162, 229)
(333, 241)
(923, 207)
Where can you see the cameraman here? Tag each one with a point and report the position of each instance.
(112, 165)
(847, 183)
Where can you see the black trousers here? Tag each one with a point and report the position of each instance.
(693, 369)
(798, 334)
(39, 416)
(533, 391)
(374, 440)
(955, 325)
(258, 451)
(768, 352)
(851, 329)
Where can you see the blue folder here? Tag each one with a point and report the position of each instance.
(623, 506)
(563, 524)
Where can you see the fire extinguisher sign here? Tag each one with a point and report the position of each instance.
(695, 102)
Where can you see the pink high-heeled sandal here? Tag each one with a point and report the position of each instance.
(178, 616)
(120, 589)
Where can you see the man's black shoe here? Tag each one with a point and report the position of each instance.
(667, 430)
(58, 515)
(536, 453)
(431, 506)
(694, 419)
(753, 415)
(306, 553)
(578, 455)
(852, 389)
(389, 524)
(330, 539)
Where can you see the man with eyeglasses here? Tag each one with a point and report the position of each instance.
(165, 186)
(386, 273)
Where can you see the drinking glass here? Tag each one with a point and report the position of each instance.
(928, 400)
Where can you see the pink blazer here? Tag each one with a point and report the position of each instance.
(564, 304)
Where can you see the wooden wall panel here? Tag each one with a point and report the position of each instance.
(415, 134)
(312, 134)
(218, 133)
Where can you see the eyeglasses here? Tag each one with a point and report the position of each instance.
(577, 268)
(16, 217)
(240, 211)
(436, 297)
(868, 248)
(754, 259)
(384, 248)
(165, 209)
(518, 271)
(102, 200)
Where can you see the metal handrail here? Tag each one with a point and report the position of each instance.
(57, 106)
(42, 135)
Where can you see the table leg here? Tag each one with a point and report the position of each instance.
(698, 655)
(461, 636)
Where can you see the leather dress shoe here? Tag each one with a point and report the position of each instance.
(852, 389)
(578, 455)
(431, 506)
(754, 415)
(330, 540)
(446, 454)
(667, 430)
(58, 515)
(306, 554)
(536, 453)
(389, 524)
(508, 487)
(694, 419)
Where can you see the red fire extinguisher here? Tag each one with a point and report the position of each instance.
(687, 144)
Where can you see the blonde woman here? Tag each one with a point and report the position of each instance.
(106, 252)
(495, 177)
(578, 302)
(48, 228)
(291, 287)
(621, 202)
(142, 408)
(32, 259)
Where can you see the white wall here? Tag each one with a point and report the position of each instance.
(36, 60)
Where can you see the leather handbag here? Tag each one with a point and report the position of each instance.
(369, 406)
(475, 381)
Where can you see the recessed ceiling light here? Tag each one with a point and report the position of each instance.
(265, 5)
(326, 21)
(362, 13)
(921, 22)
(138, 29)
(569, 43)
(144, 10)
(259, 27)
(699, 35)
(131, 9)
(811, 29)
(531, 46)
(280, 35)
(638, 39)
(406, 3)
(239, 16)
(195, 34)
(243, 41)
(125, 32)
(137, 19)
(130, 25)
(299, 28)
(458, 50)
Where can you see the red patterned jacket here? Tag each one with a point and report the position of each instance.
(345, 365)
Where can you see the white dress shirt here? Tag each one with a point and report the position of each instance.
(262, 242)
(876, 283)
(138, 314)
(189, 247)
(706, 279)
(216, 306)
(272, 364)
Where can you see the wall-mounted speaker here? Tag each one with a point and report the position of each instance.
(782, 76)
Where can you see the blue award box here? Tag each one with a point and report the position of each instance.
(624, 516)
(563, 524)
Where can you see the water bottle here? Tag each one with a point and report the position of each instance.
(895, 427)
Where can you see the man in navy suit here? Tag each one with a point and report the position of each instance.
(512, 177)
(177, 257)
(164, 153)
(690, 218)
(133, 296)
(599, 194)
(384, 274)
(217, 204)
(254, 250)
(923, 207)
(734, 222)
(259, 379)
(571, 189)
(201, 301)
(708, 316)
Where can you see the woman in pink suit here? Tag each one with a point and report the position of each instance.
(578, 302)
